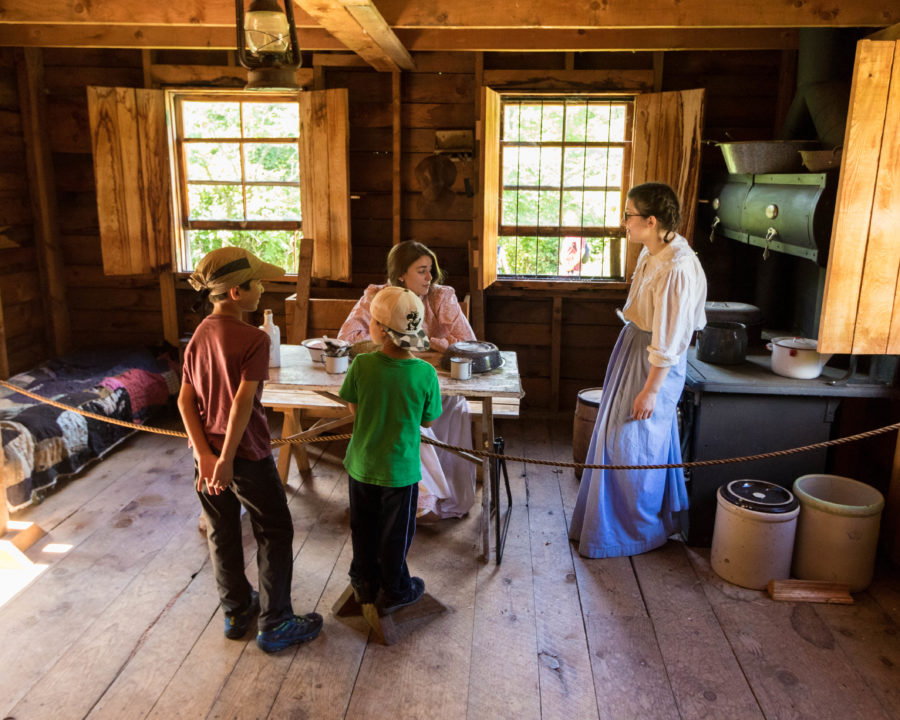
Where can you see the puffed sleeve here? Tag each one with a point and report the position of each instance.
(446, 324)
(356, 326)
(673, 322)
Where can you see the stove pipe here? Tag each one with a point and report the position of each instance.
(824, 71)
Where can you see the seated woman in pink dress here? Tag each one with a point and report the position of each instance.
(448, 482)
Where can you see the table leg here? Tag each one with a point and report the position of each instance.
(298, 450)
(487, 481)
(291, 426)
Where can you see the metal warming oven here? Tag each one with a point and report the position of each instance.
(788, 213)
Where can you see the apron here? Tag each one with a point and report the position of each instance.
(627, 512)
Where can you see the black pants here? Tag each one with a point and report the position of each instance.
(382, 526)
(258, 488)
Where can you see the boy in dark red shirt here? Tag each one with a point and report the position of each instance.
(225, 364)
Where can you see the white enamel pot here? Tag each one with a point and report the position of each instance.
(796, 357)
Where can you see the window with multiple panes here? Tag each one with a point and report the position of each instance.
(238, 175)
(564, 166)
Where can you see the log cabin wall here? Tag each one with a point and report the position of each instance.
(563, 335)
(104, 310)
(23, 340)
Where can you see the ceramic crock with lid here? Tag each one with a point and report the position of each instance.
(753, 540)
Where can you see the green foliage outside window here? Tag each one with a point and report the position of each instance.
(563, 168)
(242, 164)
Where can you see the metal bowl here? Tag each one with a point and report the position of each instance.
(316, 347)
(765, 156)
(485, 356)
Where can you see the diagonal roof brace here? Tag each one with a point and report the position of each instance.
(359, 26)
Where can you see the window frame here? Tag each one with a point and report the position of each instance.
(617, 233)
(175, 97)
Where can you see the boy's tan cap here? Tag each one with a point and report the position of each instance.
(226, 267)
(401, 313)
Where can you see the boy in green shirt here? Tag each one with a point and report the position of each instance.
(392, 394)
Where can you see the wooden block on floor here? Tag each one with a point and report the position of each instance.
(19, 537)
(388, 629)
(821, 591)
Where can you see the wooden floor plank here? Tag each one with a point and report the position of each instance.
(321, 679)
(127, 623)
(885, 590)
(787, 652)
(256, 680)
(92, 485)
(216, 657)
(160, 656)
(870, 640)
(630, 678)
(706, 678)
(567, 688)
(106, 644)
(503, 677)
(75, 511)
(427, 673)
(66, 600)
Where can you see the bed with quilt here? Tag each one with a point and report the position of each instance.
(42, 443)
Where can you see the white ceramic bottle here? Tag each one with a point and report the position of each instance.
(274, 332)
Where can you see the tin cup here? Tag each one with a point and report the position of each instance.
(336, 364)
(460, 368)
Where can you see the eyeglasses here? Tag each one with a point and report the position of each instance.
(627, 215)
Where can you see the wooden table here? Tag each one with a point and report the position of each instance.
(290, 386)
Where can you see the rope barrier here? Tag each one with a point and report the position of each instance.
(480, 453)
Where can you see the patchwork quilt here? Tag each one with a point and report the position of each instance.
(42, 443)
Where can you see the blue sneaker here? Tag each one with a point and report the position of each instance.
(387, 605)
(237, 624)
(299, 629)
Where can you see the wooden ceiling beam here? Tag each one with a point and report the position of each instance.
(359, 25)
(148, 37)
(128, 12)
(888, 33)
(627, 13)
(318, 39)
(593, 40)
(472, 14)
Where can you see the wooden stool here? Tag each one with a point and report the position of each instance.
(387, 629)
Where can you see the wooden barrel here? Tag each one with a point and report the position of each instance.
(585, 415)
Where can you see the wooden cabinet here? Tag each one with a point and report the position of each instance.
(861, 305)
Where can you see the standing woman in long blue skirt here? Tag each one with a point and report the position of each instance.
(626, 512)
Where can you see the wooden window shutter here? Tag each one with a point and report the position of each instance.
(325, 180)
(861, 303)
(132, 175)
(666, 148)
(490, 183)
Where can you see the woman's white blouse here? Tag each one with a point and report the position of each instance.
(667, 298)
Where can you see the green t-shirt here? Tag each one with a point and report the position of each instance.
(393, 398)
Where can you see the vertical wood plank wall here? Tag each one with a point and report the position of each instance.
(20, 286)
(440, 94)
